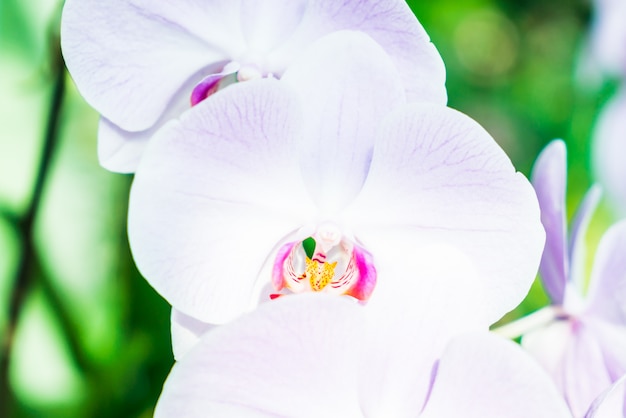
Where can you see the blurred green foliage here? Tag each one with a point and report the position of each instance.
(92, 338)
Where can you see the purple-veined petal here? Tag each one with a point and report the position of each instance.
(577, 248)
(612, 342)
(186, 332)
(120, 151)
(346, 82)
(611, 403)
(214, 196)
(438, 177)
(392, 25)
(129, 58)
(607, 288)
(295, 356)
(418, 315)
(608, 150)
(485, 376)
(549, 177)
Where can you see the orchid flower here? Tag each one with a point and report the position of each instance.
(141, 63)
(319, 356)
(608, 147)
(583, 344)
(229, 202)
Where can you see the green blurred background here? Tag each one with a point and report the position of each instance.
(88, 336)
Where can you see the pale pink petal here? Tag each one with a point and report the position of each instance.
(485, 376)
(129, 58)
(214, 196)
(437, 177)
(186, 332)
(293, 357)
(607, 291)
(392, 25)
(549, 178)
(608, 150)
(347, 83)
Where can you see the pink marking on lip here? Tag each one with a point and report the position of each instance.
(363, 288)
(278, 277)
(205, 88)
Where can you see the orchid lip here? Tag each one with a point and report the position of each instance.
(325, 262)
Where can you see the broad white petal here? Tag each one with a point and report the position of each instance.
(549, 177)
(392, 25)
(118, 150)
(418, 315)
(437, 177)
(294, 357)
(607, 291)
(608, 150)
(485, 376)
(129, 58)
(214, 195)
(186, 332)
(347, 83)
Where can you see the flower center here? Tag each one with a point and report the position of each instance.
(325, 262)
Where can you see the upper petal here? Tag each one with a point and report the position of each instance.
(549, 179)
(214, 195)
(437, 177)
(346, 83)
(485, 376)
(129, 58)
(607, 288)
(392, 24)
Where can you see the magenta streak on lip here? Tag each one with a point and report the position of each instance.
(205, 88)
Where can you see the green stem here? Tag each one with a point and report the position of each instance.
(24, 276)
(530, 322)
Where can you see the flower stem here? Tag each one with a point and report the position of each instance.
(529, 322)
(25, 271)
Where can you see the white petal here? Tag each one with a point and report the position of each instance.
(120, 151)
(437, 177)
(291, 357)
(485, 376)
(129, 58)
(214, 195)
(347, 83)
(612, 402)
(418, 316)
(186, 332)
